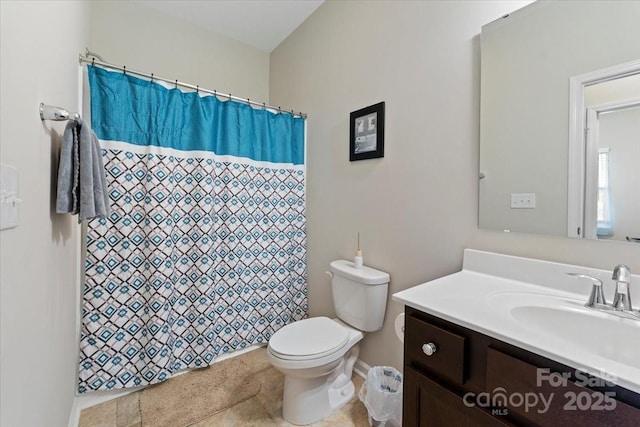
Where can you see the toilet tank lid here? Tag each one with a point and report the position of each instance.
(365, 275)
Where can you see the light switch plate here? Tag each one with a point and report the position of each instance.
(8, 197)
(523, 201)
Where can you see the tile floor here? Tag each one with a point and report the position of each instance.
(264, 409)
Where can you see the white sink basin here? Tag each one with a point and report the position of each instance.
(536, 306)
(567, 320)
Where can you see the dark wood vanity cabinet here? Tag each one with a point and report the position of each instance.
(427, 403)
(474, 380)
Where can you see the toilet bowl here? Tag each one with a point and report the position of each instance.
(316, 355)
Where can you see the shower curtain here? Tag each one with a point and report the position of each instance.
(205, 250)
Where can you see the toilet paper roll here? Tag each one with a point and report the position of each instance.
(399, 327)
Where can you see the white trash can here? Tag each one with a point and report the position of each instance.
(381, 394)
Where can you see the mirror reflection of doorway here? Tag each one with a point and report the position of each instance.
(612, 172)
(604, 154)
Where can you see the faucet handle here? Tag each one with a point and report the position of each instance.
(622, 297)
(597, 295)
(596, 281)
(621, 273)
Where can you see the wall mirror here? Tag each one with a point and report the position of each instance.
(548, 72)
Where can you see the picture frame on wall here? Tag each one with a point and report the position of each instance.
(366, 139)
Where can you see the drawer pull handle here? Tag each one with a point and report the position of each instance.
(429, 349)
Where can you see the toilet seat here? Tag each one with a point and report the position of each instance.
(308, 339)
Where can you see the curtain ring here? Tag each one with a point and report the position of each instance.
(279, 111)
(248, 102)
(264, 105)
(229, 97)
(124, 69)
(93, 62)
(176, 83)
(151, 77)
(197, 89)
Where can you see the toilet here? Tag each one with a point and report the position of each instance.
(316, 355)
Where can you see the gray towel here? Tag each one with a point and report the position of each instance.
(82, 185)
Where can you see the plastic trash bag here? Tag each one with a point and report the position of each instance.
(381, 394)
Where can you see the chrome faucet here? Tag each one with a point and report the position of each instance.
(622, 298)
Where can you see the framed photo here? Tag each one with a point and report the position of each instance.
(367, 133)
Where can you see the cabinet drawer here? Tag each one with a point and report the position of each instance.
(448, 359)
(558, 402)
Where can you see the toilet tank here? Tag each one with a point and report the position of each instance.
(359, 295)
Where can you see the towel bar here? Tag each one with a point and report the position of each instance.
(50, 112)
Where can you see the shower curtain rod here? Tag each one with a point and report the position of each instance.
(177, 83)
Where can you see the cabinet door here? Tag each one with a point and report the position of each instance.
(553, 402)
(427, 404)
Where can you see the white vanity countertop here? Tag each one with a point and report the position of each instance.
(534, 305)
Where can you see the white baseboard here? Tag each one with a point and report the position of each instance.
(74, 416)
(93, 398)
(361, 368)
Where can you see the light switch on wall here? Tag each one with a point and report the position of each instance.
(8, 197)
(523, 201)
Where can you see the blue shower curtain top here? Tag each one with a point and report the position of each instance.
(187, 121)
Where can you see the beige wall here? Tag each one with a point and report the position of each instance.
(416, 208)
(144, 39)
(39, 50)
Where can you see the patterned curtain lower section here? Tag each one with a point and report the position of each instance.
(202, 255)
